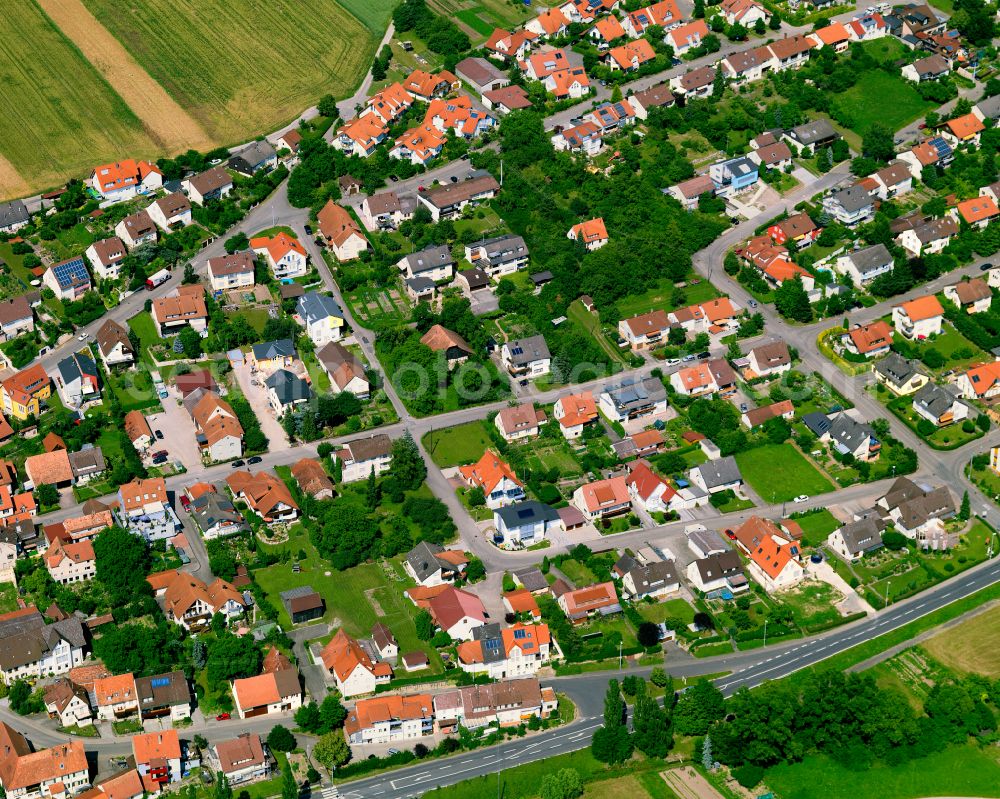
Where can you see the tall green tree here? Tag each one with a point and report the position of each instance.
(611, 742)
(122, 561)
(331, 750)
(289, 787)
(698, 708)
(652, 726)
(792, 301)
(407, 465)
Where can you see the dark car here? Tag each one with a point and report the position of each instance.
(159, 434)
(255, 459)
(393, 178)
(454, 178)
(236, 464)
(308, 229)
(704, 356)
(985, 267)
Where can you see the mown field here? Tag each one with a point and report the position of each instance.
(242, 67)
(480, 17)
(59, 116)
(375, 14)
(972, 646)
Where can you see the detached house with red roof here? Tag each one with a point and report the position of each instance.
(686, 37)
(745, 12)
(158, 756)
(354, 670)
(592, 233)
(574, 412)
(977, 212)
(647, 489)
(646, 330)
(275, 691)
(919, 318)
(285, 255)
(144, 509)
(457, 612)
(666, 14)
(582, 603)
(603, 499)
(122, 180)
(872, 341)
(550, 23)
(631, 55)
(505, 45)
(495, 478)
(981, 381)
(342, 234)
(775, 558)
(965, 129)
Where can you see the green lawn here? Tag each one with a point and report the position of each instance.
(779, 472)
(8, 597)
(888, 48)
(590, 324)
(662, 296)
(812, 603)
(347, 593)
(578, 573)
(145, 328)
(866, 102)
(671, 608)
(958, 771)
(464, 443)
(816, 526)
(521, 782)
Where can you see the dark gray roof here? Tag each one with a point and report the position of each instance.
(527, 350)
(491, 639)
(88, 461)
(897, 368)
(852, 199)
(935, 229)
(722, 564)
(934, 504)
(282, 348)
(532, 578)
(936, 400)
(26, 639)
(419, 284)
(522, 513)
(654, 576)
(314, 307)
(503, 249)
(541, 277)
(288, 387)
(870, 259)
(76, 366)
(162, 690)
(902, 490)
(214, 507)
(450, 194)
(254, 155)
(989, 106)
(847, 434)
(429, 258)
(370, 448)
(817, 422)
(636, 393)
(13, 213)
(863, 535)
(424, 561)
(475, 277)
(817, 130)
(719, 472)
(707, 541)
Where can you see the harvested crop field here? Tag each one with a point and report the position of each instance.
(242, 67)
(169, 125)
(60, 116)
(970, 647)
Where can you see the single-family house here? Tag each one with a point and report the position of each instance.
(767, 360)
(574, 412)
(854, 540)
(341, 233)
(866, 264)
(524, 523)
(77, 381)
(519, 421)
(345, 371)
(106, 256)
(354, 670)
(850, 206)
(592, 233)
(242, 759)
(268, 693)
(233, 271)
(384, 211)
(448, 200)
(434, 263)
(633, 398)
(582, 603)
(901, 376)
(254, 157)
(284, 254)
(171, 212)
(720, 474)
(973, 295)
(646, 330)
(213, 184)
(431, 564)
(496, 479)
(358, 458)
(774, 556)
(940, 405)
(114, 344)
(321, 316)
(718, 571)
(265, 494)
(526, 358)
(69, 280)
(918, 318)
(183, 309)
(603, 499)
(136, 229)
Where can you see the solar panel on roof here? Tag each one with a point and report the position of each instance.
(160, 682)
(524, 513)
(520, 633)
(492, 644)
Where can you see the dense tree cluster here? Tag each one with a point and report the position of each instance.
(439, 33)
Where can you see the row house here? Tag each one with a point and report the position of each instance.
(59, 771)
(390, 719)
(502, 704)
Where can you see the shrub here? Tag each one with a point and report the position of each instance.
(749, 776)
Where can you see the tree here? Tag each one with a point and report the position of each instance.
(372, 493)
(327, 106)
(965, 510)
(774, 23)
(698, 708)
(230, 658)
(653, 728)
(877, 143)
(659, 677)
(237, 243)
(648, 634)
(191, 341)
(562, 784)
(748, 775)
(223, 790)
(190, 276)
(792, 301)
(22, 701)
(611, 742)
(47, 495)
(289, 787)
(407, 466)
(331, 750)
(280, 739)
(122, 561)
(893, 541)
(307, 717)
(424, 624)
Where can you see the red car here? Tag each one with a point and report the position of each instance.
(185, 502)
(731, 534)
(223, 717)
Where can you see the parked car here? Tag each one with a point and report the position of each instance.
(801, 498)
(308, 229)
(985, 267)
(454, 178)
(730, 534)
(255, 459)
(185, 502)
(83, 335)
(671, 362)
(752, 303)
(237, 463)
(158, 434)
(704, 356)
(743, 407)
(816, 557)
(223, 717)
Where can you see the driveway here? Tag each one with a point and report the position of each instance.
(852, 602)
(257, 397)
(178, 431)
(312, 674)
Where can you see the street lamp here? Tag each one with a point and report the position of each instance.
(888, 583)
(765, 632)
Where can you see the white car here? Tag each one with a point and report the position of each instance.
(801, 498)
(83, 336)
(672, 362)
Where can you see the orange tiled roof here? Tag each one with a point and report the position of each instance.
(603, 493)
(610, 28)
(871, 337)
(577, 409)
(49, 468)
(488, 472)
(977, 209)
(965, 127)
(590, 231)
(922, 308)
(278, 246)
(163, 744)
(636, 52)
(115, 690)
